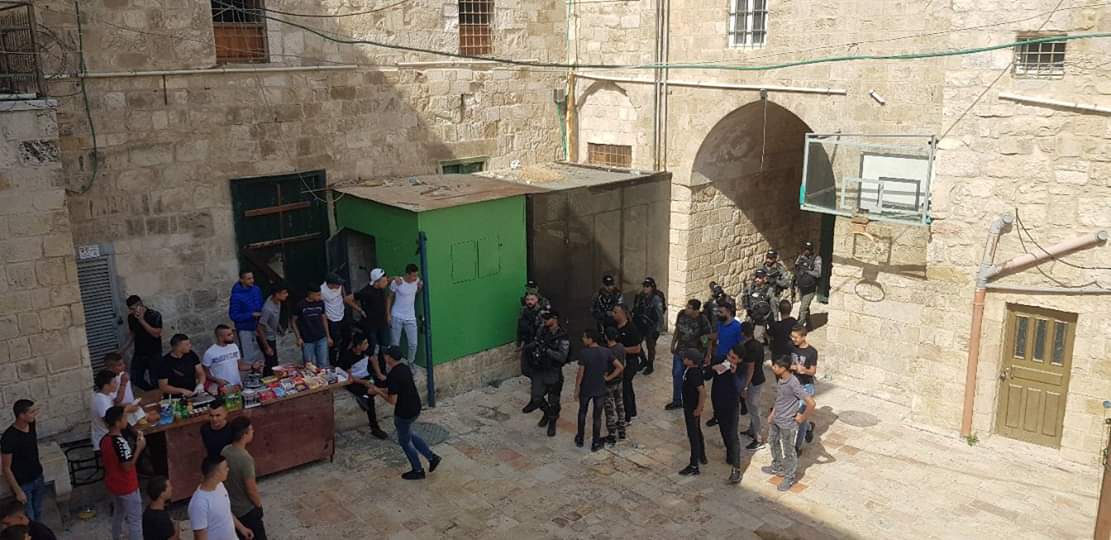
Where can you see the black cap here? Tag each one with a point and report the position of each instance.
(333, 279)
(773, 254)
(808, 245)
(550, 314)
(760, 272)
(649, 282)
(394, 352)
(607, 279)
(693, 355)
(530, 284)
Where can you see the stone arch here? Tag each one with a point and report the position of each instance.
(745, 182)
(606, 115)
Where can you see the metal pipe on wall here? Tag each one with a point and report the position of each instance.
(723, 86)
(1029, 260)
(426, 304)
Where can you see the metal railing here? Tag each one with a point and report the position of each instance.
(20, 77)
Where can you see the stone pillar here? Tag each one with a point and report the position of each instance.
(43, 353)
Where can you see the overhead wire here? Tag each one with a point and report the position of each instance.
(94, 159)
(1023, 229)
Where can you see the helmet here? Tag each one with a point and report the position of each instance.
(607, 280)
(761, 273)
(649, 282)
(772, 254)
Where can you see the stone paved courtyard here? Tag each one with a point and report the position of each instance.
(867, 475)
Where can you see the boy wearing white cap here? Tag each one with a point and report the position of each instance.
(375, 323)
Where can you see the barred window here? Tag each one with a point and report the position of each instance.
(748, 23)
(19, 70)
(476, 34)
(610, 155)
(240, 31)
(1042, 60)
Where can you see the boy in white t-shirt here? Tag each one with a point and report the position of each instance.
(222, 362)
(210, 506)
(403, 310)
(124, 395)
(105, 386)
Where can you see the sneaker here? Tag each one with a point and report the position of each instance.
(434, 462)
(579, 441)
(379, 434)
(620, 435)
(754, 445)
(611, 439)
(543, 421)
(810, 433)
(735, 476)
(413, 475)
(596, 445)
(771, 470)
(713, 421)
(672, 406)
(786, 484)
(552, 428)
(648, 370)
(691, 470)
(530, 407)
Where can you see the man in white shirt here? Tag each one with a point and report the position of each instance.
(125, 394)
(403, 310)
(222, 362)
(104, 394)
(210, 508)
(335, 297)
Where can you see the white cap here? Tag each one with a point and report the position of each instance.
(376, 274)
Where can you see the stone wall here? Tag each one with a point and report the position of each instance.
(43, 356)
(474, 371)
(168, 145)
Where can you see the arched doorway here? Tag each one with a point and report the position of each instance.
(745, 178)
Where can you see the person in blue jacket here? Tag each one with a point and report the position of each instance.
(245, 308)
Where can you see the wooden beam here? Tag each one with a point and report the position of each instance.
(301, 205)
(282, 241)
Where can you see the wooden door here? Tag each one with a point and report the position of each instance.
(1037, 358)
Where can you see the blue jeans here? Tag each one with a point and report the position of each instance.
(316, 352)
(677, 370)
(35, 490)
(410, 443)
(409, 327)
(805, 426)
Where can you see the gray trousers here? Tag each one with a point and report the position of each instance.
(784, 458)
(804, 306)
(754, 411)
(128, 508)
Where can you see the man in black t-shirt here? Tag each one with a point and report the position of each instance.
(694, 401)
(780, 331)
(216, 434)
(373, 298)
(145, 327)
(13, 514)
(401, 391)
(725, 394)
(751, 375)
(157, 524)
(365, 372)
(597, 367)
(19, 448)
(180, 372)
(629, 337)
(804, 364)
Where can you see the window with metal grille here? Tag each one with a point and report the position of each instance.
(476, 21)
(748, 23)
(463, 166)
(96, 277)
(240, 31)
(1042, 60)
(19, 69)
(610, 155)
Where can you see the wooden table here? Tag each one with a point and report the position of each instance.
(289, 431)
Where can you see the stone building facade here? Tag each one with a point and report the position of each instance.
(173, 133)
(899, 307)
(42, 324)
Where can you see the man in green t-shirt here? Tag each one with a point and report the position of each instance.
(246, 504)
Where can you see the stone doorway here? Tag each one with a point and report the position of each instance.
(744, 200)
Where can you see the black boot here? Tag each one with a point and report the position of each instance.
(543, 421)
(532, 406)
(552, 426)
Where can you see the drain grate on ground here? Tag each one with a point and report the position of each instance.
(858, 418)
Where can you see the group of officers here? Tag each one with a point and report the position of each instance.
(545, 345)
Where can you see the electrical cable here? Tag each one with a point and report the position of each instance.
(261, 12)
(94, 159)
(341, 15)
(1039, 246)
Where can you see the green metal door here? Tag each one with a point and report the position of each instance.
(281, 229)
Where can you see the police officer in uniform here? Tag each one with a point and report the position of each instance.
(546, 356)
(758, 299)
(528, 326)
(808, 271)
(717, 298)
(531, 287)
(778, 277)
(604, 301)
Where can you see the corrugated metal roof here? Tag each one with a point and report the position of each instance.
(433, 192)
(560, 176)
